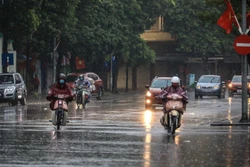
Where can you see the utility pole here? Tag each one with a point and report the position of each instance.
(244, 117)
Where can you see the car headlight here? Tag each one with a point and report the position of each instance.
(148, 94)
(216, 87)
(198, 87)
(230, 85)
(9, 89)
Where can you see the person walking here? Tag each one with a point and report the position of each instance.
(36, 83)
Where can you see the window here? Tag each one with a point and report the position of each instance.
(18, 79)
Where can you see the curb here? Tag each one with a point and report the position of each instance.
(229, 124)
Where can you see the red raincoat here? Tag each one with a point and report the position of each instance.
(57, 89)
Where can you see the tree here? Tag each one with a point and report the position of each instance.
(196, 31)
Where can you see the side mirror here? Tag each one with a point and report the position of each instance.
(147, 86)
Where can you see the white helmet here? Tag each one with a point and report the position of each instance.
(175, 80)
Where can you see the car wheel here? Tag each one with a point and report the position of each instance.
(23, 101)
(219, 97)
(201, 97)
(196, 96)
(14, 102)
(100, 94)
(230, 94)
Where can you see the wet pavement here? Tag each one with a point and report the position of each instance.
(118, 131)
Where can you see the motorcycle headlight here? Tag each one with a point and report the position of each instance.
(148, 94)
(216, 87)
(9, 89)
(198, 87)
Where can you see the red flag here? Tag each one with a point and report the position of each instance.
(228, 18)
(80, 63)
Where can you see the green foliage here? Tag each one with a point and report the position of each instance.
(194, 24)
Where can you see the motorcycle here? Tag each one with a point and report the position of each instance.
(172, 113)
(60, 112)
(82, 96)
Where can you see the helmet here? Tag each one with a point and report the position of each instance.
(175, 80)
(81, 77)
(61, 79)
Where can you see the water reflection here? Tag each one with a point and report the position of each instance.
(148, 120)
(229, 117)
(148, 138)
(56, 135)
(14, 113)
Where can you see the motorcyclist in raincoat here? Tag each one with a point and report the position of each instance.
(175, 88)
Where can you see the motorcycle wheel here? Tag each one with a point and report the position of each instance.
(58, 119)
(84, 104)
(173, 124)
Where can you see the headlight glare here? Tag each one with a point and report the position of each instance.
(216, 87)
(198, 87)
(148, 94)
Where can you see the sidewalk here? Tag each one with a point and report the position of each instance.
(232, 122)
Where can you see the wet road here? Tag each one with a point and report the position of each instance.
(117, 131)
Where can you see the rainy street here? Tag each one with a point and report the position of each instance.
(118, 131)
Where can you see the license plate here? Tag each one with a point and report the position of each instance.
(239, 91)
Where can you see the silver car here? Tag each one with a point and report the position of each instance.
(210, 85)
(12, 89)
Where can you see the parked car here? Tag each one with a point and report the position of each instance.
(155, 87)
(235, 86)
(12, 89)
(210, 85)
(98, 92)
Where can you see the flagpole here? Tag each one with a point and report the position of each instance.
(238, 24)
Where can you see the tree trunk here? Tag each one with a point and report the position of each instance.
(115, 75)
(28, 69)
(127, 68)
(134, 78)
(5, 29)
(205, 61)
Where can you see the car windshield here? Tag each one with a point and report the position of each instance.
(71, 78)
(239, 79)
(6, 79)
(209, 79)
(160, 83)
(236, 79)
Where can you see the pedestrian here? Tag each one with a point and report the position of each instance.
(36, 83)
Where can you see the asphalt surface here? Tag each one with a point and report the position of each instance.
(118, 131)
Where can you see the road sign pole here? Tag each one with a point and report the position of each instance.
(244, 117)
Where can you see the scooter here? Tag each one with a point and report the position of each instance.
(82, 96)
(172, 113)
(60, 112)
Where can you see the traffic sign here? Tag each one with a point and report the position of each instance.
(242, 44)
